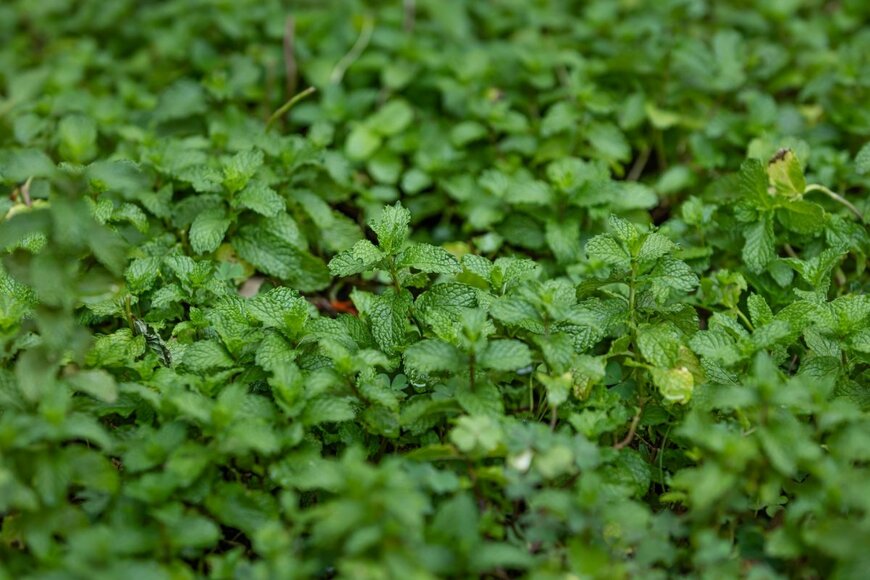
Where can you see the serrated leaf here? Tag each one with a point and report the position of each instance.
(184, 98)
(208, 230)
(18, 165)
(78, 138)
(97, 383)
(659, 344)
(675, 385)
(563, 238)
(389, 315)
(759, 311)
(206, 355)
(505, 355)
(391, 228)
(603, 247)
(281, 308)
(328, 410)
(753, 183)
(240, 168)
(862, 159)
(758, 250)
(428, 258)
(432, 356)
(655, 246)
(786, 174)
(117, 175)
(363, 256)
(275, 256)
(259, 197)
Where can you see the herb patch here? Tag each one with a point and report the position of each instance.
(431, 289)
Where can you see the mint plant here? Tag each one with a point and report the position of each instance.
(419, 289)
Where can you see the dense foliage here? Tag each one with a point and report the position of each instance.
(523, 288)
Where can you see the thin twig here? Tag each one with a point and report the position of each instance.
(836, 197)
(270, 88)
(288, 105)
(554, 417)
(356, 51)
(639, 165)
(661, 454)
(410, 14)
(632, 429)
(291, 69)
(25, 192)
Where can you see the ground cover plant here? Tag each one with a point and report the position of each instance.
(434, 288)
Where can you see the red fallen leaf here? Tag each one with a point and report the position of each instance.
(333, 306)
(345, 306)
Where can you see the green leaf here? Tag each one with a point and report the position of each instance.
(802, 217)
(281, 308)
(505, 355)
(759, 311)
(362, 143)
(758, 250)
(18, 165)
(97, 383)
(429, 259)
(328, 410)
(259, 197)
(478, 435)
(119, 175)
(659, 344)
(240, 168)
(672, 278)
(563, 238)
(78, 138)
(432, 356)
(603, 247)
(389, 316)
(362, 257)
(206, 355)
(623, 230)
(392, 228)
(786, 174)
(655, 246)
(207, 230)
(608, 141)
(185, 98)
(273, 255)
(862, 159)
(675, 385)
(754, 182)
(391, 119)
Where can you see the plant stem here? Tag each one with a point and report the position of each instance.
(632, 430)
(288, 105)
(25, 192)
(410, 9)
(531, 397)
(128, 310)
(356, 50)
(632, 296)
(394, 275)
(290, 66)
(639, 165)
(745, 320)
(836, 197)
